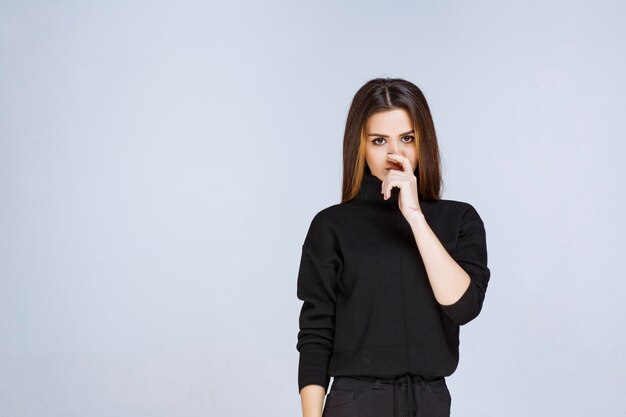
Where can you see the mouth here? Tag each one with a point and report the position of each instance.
(397, 167)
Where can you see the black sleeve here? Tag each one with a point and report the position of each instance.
(471, 255)
(320, 264)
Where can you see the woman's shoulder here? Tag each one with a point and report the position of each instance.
(451, 209)
(327, 215)
(321, 237)
(446, 209)
(452, 204)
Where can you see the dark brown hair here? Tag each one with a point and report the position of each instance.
(384, 94)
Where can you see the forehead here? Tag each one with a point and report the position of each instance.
(389, 121)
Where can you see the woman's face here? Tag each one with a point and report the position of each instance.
(389, 132)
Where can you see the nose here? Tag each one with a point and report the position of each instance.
(392, 148)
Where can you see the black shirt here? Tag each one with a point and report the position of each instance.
(368, 307)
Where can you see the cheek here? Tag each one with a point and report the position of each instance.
(411, 154)
(414, 161)
(375, 154)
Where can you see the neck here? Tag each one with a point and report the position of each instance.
(371, 190)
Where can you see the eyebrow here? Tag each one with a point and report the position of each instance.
(386, 136)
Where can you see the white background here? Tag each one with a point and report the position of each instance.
(160, 163)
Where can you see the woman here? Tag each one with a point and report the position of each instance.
(388, 275)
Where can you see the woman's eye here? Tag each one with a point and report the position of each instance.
(411, 138)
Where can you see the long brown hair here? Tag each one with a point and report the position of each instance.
(384, 94)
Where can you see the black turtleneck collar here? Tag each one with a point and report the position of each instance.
(370, 190)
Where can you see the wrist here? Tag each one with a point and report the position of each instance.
(415, 217)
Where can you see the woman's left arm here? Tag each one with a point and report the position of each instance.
(448, 280)
(459, 280)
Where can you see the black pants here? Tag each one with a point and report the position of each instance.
(405, 395)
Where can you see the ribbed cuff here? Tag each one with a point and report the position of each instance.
(466, 308)
(313, 377)
(312, 369)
